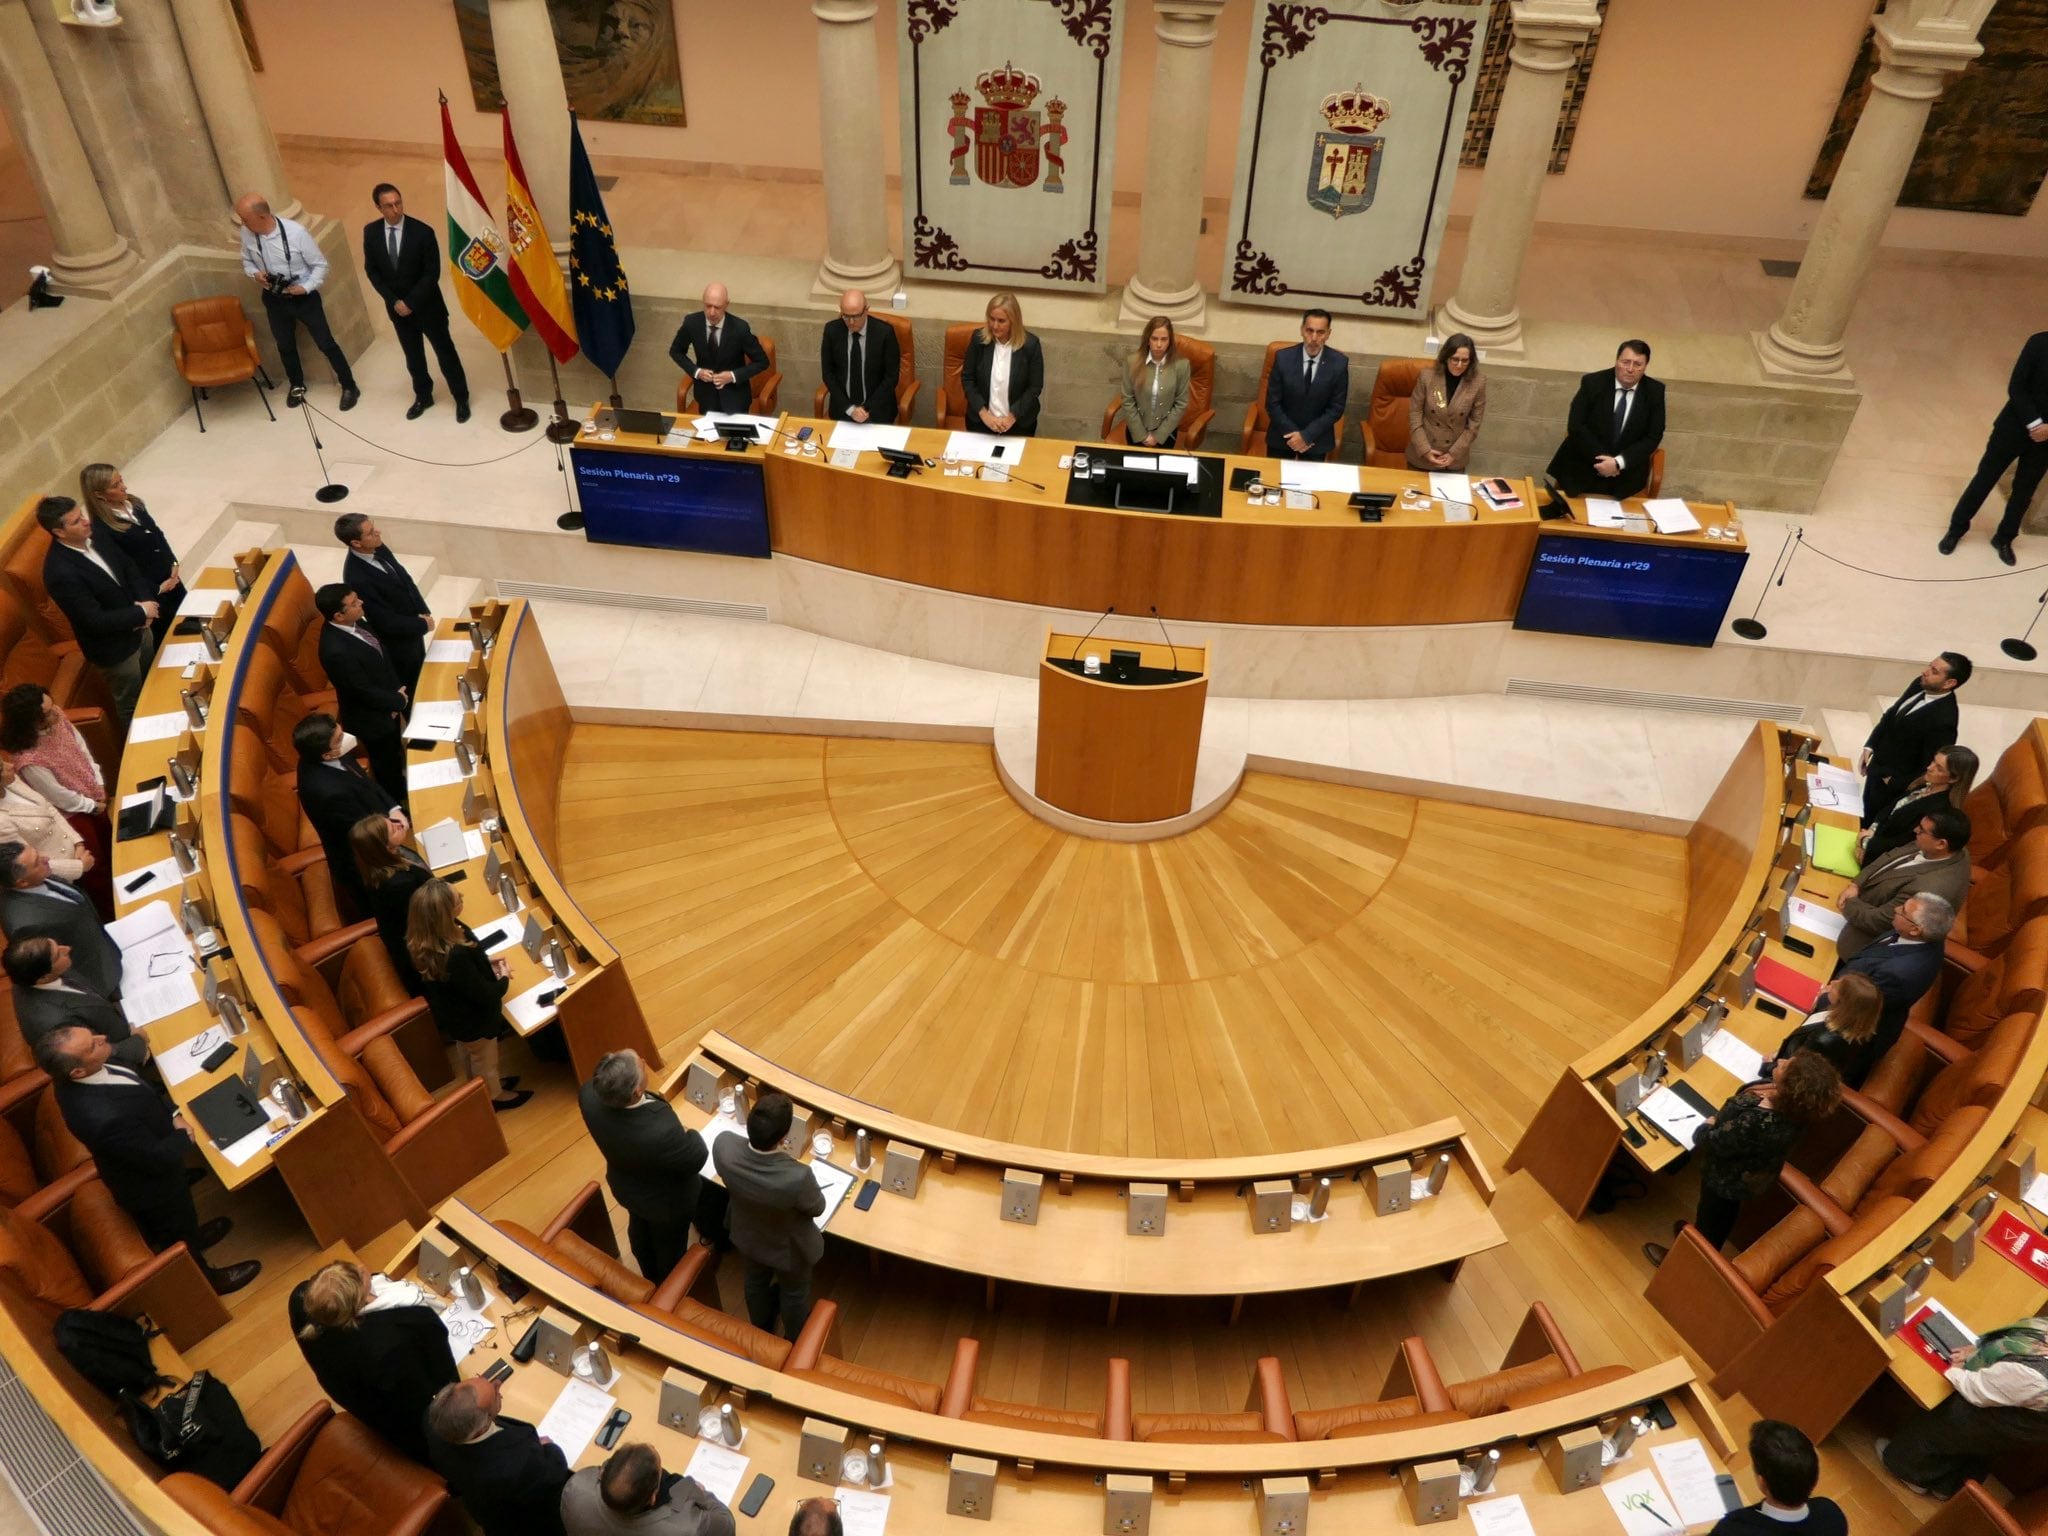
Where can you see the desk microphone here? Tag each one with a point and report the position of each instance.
(1010, 478)
(1170, 646)
(1076, 651)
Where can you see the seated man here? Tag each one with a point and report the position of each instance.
(1937, 861)
(630, 1493)
(48, 996)
(507, 1477)
(1904, 963)
(1616, 423)
(859, 361)
(1306, 394)
(717, 349)
(34, 903)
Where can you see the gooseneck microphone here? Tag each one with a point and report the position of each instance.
(1172, 649)
(1076, 651)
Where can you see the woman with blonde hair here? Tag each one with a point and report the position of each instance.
(464, 987)
(375, 1347)
(1446, 408)
(122, 517)
(390, 872)
(1843, 1028)
(1003, 373)
(1155, 387)
(1947, 782)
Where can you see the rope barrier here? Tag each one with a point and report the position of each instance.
(436, 463)
(2025, 570)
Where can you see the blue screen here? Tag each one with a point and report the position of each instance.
(670, 501)
(1676, 594)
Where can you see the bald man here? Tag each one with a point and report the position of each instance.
(286, 263)
(717, 349)
(859, 362)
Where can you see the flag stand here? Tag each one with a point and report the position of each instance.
(617, 403)
(517, 417)
(561, 429)
(570, 521)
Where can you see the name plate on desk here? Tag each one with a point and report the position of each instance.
(821, 1450)
(1146, 1215)
(1021, 1190)
(556, 1338)
(684, 1398)
(971, 1487)
(1955, 1245)
(1272, 1205)
(799, 1134)
(1431, 1488)
(438, 1259)
(1386, 1185)
(1126, 1505)
(703, 1083)
(1282, 1504)
(1574, 1459)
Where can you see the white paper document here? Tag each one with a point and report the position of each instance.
(1671, 515)
(183, 654)
(1604, 512)
(457, 649)
(1811, 917)
(182, 1060)
(437, 720)
(833, 1183)
(155, 880)
(1641, 1504)
(1450, 487)
(982, 448)
(1835, 789)
(1743, 1061)
(866, 436)
(1689, 1476)
(578, 1413)
(445, 844)
(2036, 1196)
(239, 1152)
(1182, 464)
(862, 1512)
(527, 1010)
(206, 601)
(1669, 1112)
(718, 1470)
(156, 727)
(1301, 475)
(1506, 1516)
(467, 1326)
(432, 775)
(502, 934)
(157, 997)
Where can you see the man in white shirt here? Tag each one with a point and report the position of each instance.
(49, 996)
(36, 904)
(108, 604)
(286, 262)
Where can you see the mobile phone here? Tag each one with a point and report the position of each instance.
(757, 1495)
(803, 434)
(130, 887)
(1659, 1413)
(1765, 1005)
(1797, 946)
(499, 1371)
(615, 1426)
(528, 1342)
(218, 1057)
(1731, 1496)
(1631, 1135)
(454, 875)
(549, 998)
(515, 1289)
(867, 1194)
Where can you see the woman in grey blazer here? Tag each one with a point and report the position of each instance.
(1446, 408)
(1155, 388)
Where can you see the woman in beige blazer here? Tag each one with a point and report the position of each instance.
(1446, 408)
(26, 817)
(1155, 388)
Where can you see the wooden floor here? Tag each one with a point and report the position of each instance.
(1319, 964)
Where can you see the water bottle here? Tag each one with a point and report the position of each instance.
(728, 1425)
(878, 1469)
(1439, 1171)
(1319, 1200)
(1625, 1435)
(285, 1093)
(1485, 1470)
(863, 1158)
(469, 1288)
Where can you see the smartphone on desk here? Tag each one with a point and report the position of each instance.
(757, 1495)
(867, 1194)
(1797, 946)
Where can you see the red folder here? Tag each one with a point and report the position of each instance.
(1797, 988)
(2014, 1240)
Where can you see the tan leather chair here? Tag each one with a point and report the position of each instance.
(1654, 486)
(961, 1401)
(2013, 798)
(271, 800)
(2015, 980)
(1386, 421)
(328, 1475)
(1540, 1365)
(37, 1149)
(952, 394)
(15, 1060)
(303, 904)
(1413, 1397)
(808, 1361)
(1267, 1419)
(58, 667)
(1194, 422)
(1256, 420)
(907, 381)
(764, 385)
(214, 344)
(270, 703)
(292, 629)
(71, 1245)
(2003, 899)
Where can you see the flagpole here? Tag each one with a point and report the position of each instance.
(617, 403)
(517, 417)
(561, 429)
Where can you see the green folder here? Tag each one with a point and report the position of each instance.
(1834, 849)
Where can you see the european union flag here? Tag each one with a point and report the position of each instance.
(604, 307)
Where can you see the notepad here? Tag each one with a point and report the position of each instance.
(1605, 512)
(1795, 989)
(1834, 849)
(1811, 917)
(1671, 514)
(1444, 486)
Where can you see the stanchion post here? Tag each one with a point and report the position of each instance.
(1752, 628)
(331, 490)
(517, 417)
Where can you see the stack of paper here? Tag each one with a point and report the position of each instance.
(1742, 1061)
(1450, 487)
(578, 1413)
(205, 602)
(527, 1010)
(1300, 475)
(1672, 1115)
(156, 727)
(157, 963)
(1671, 514)
(862, 1512)
(1811, 917)
(981, 448)
(435, 720)
(433, 774)
(718, 1470)
(1604, 512)
(457, 649)
(1835, 789)
(866, 436)
(183, 654)
(1687, 1472)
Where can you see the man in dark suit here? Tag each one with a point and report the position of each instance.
(1615, 425)
(508, 1478)
(138, 1144)
(402, 259)
(35, 904)
(653, 1163)
(48, 995)
(1306, 394)
(369, 697)
(859, 360)
(335, 794)
(775, 1200)
(108, 603)
(1904, 963)
(2019, 432)
(1920, 722)
(393, 605)
(718, 350)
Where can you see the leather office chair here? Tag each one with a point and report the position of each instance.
(328, 1475)
(1194, 422)
(271, 800)
(70, 1245)
(302, 901)
(1256, 420)
(2013, 798)
(271, 704)
(292, 629)
(1654, 486)
(22, 569)
(961, 1401)
(15, 1060)
(58, 667)
(37, 1149)
(1386, 421)
(213, 344)
(764, 386)
(2002, 900)
(907, 381)
(952, 395)
(1267, 1419)
(1413, 1397)
(808, 1361)
(1540, 1365)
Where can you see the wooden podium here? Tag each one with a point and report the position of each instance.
(1119, 751)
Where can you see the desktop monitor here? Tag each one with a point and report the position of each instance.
(1148, 490)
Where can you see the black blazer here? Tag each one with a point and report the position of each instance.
(39, 914)
(392, 600)
(102, 609)
(1294, 405)
(365, 685)
(1027, 382)
(1903, 973)
(1589, 433)
(2026, 395)
(391, 905)
(652, 1161)
(469, 1000)
(881, 362)
(147, 550)
(1852, 1058)
(509, 1482)
(384, 1370)
(38, 1010)
(1901, 745)
(1901, 824)
(417, 277)
(127, 1128)
(737, 350)
(335, 796)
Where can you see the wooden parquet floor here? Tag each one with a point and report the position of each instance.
(1318, 964)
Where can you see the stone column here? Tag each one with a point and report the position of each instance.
(242, 140)
(1547, 35)
(857, 251)
(1920, 43)
(1176, 156)
(89, 255)
(530, 75)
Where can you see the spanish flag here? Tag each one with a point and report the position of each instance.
(536, 278)
(476, 251)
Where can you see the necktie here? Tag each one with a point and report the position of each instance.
(62, 889)
(374, 643)
(857, 386)
(1311, 380)
(714, 338)
(393, 230)
(1621, 397)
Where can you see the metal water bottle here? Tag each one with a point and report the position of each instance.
(286, 1094)
(1625, 1435)
(878, 1469)
(1319, 1200)
(728, 1425)
(863, 1157)
(1485, 1470)
(469, 1288)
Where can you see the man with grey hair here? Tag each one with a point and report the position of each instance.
(508, 1478)
(816, 1517)
(1905, 962)
(631, 1494)
(289, 269)
(654, 1165)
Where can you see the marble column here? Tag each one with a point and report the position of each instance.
(530, 75)
(1920, 43)
(1547, 36)
(1176, 156)
(857, 253)
(89, 255)
(242, 140)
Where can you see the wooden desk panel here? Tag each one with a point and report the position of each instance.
(1119, 752)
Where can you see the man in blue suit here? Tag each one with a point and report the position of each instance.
(1905, 962)
(1306, 394)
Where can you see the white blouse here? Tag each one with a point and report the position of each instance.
(999, 379)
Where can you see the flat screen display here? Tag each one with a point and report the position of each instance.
(1673, 594)
(669, 501)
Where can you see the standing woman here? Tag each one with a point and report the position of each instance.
(1003, 372)
(1155, 388)
(1446, 408)
(1843, 1028)
(465, 987)
(390, 872)
(375, 1347)
(54, 761)
(124, 519)
(1946, 782)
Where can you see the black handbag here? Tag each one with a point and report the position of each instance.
(198, 1428)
